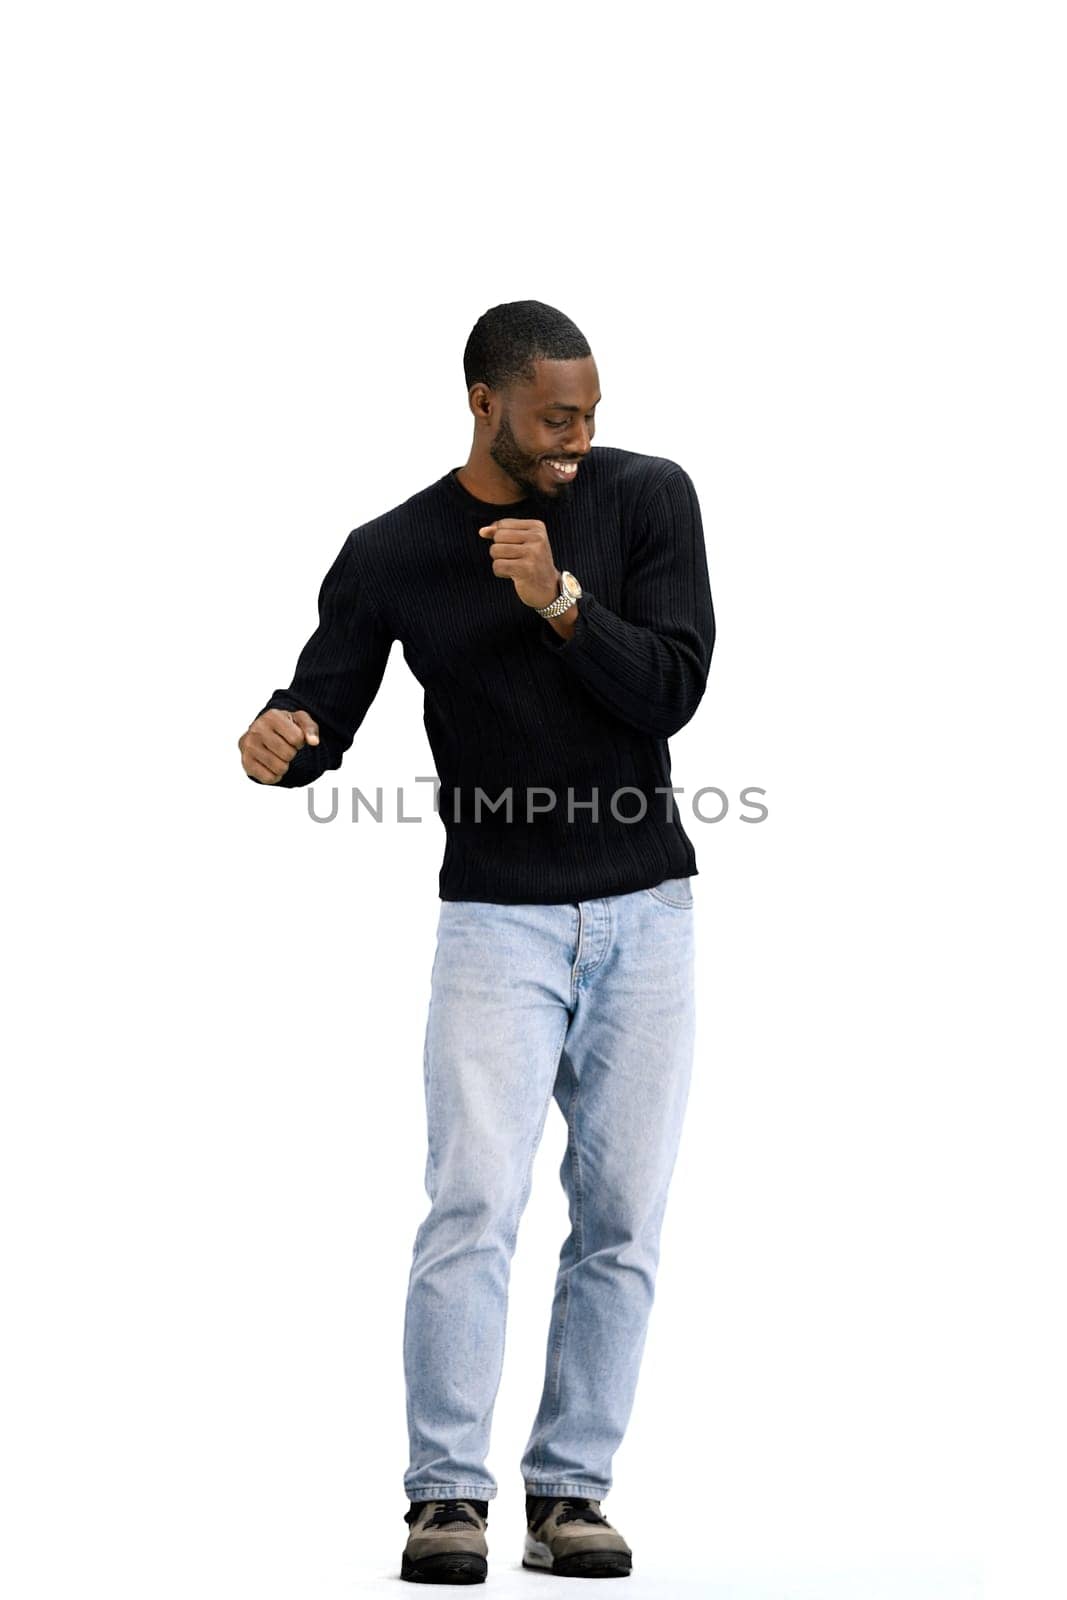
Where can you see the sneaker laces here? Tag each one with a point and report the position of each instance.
(579, 1511)
(450, 1511)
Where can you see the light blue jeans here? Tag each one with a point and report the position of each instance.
(593, 1003)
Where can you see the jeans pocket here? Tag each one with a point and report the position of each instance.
(673, 892)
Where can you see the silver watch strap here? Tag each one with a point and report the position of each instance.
(561, 603)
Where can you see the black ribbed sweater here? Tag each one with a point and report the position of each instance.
(510, 706)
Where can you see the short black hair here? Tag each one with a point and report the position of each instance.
(506, 340)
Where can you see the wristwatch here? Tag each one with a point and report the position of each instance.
(570, 591)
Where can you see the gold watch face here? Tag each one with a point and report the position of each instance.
(573, 586)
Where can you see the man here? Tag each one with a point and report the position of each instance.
(553, 601)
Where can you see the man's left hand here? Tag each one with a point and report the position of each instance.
(521, 552)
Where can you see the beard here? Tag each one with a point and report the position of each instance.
(525, 469)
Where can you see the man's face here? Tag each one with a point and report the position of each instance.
(549, 420)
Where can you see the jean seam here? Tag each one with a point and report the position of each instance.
(452, 1491)
(580, 970)
(530, 1164)
(593, 1490)
(431, 1164)
(664, 900)
(579, 1247)
(432, 1172)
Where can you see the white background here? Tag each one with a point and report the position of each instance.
(818, 252)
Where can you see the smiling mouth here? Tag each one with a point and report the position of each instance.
(562, 471)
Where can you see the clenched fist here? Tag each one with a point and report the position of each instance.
(520, 551)
(269, 744)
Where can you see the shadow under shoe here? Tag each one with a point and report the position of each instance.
(571, 1538)
(446, 1542)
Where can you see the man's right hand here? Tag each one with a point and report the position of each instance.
(269, 744)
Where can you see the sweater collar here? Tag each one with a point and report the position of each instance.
(488, 508)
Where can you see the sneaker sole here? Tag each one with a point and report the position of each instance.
(583, 1564)
(448, 1567)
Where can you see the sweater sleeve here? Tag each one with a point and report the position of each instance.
(648, 664)
(339, 670)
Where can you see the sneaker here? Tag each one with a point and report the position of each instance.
(446, 1543)
(572, 1539)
